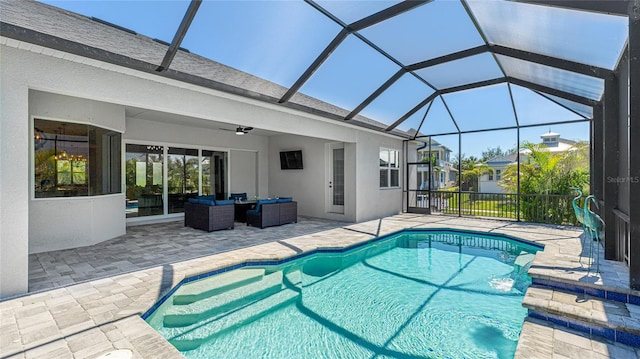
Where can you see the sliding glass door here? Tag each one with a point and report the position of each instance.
(214, 173)
(182, 177)
(159, 179)
(144, 180)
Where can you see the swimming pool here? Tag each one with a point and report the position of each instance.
(414, 294)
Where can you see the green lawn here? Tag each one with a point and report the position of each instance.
(481, 207)
(554, 210)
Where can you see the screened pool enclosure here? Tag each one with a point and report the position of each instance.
(418, 70)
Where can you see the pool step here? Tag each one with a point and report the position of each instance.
(293, 279)
(613, 320)
(191, 337)
(184, 315)
(204, 288)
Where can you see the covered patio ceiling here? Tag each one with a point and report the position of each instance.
(410, 68)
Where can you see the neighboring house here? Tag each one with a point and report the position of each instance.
(488, 183)
(443, 174)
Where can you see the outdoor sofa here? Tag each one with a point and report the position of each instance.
(205, 213)
(273, 212)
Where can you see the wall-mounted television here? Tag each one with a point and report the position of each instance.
(291, 160)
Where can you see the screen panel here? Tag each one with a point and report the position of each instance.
(460, 72)
(255, 36)
(482, 108)
(438, 120)
(432, 30)
(349, 75)
(585, 110)
(581, 36)
(533, 108)
(352, 11)
(578, 84)
(397, 100)
(128, 14)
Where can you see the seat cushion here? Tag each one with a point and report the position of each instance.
(192, 200)
(285, 199)
(225, 202)
(261, 202)
(207, 202)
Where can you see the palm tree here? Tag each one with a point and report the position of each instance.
(544, 172)
(548, 173)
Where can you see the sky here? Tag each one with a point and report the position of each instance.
(277, 40)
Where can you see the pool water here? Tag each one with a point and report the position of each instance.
(412, 295)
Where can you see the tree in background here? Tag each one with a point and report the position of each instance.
(472, 168)
(545, 172)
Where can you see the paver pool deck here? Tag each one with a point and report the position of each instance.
(87, 302)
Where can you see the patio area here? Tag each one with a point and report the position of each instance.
(147, 246)
(87, 302)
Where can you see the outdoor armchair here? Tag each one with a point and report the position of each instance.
(207, 214)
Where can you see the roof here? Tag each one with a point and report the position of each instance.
(502, 159)
(395, 78)
(550, 134)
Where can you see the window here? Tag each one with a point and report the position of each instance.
(73, 159)
(497, 175)
(490, 175)
(389, 168)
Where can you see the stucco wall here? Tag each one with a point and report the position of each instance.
(490, 187)
(310, 185)
(372, 201)
(244, 167)
(14, 176)
(62, 223)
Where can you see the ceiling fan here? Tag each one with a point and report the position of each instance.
(240, 130)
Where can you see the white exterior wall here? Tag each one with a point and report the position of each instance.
(487, 186)
(309, 186)
(62, 223)
(27, 67)
(14, 177)
(243, 168)
(372, 201)
(491, 186)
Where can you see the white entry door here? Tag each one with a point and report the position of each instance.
(335, 178)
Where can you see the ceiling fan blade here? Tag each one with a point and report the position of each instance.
(247, 128)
